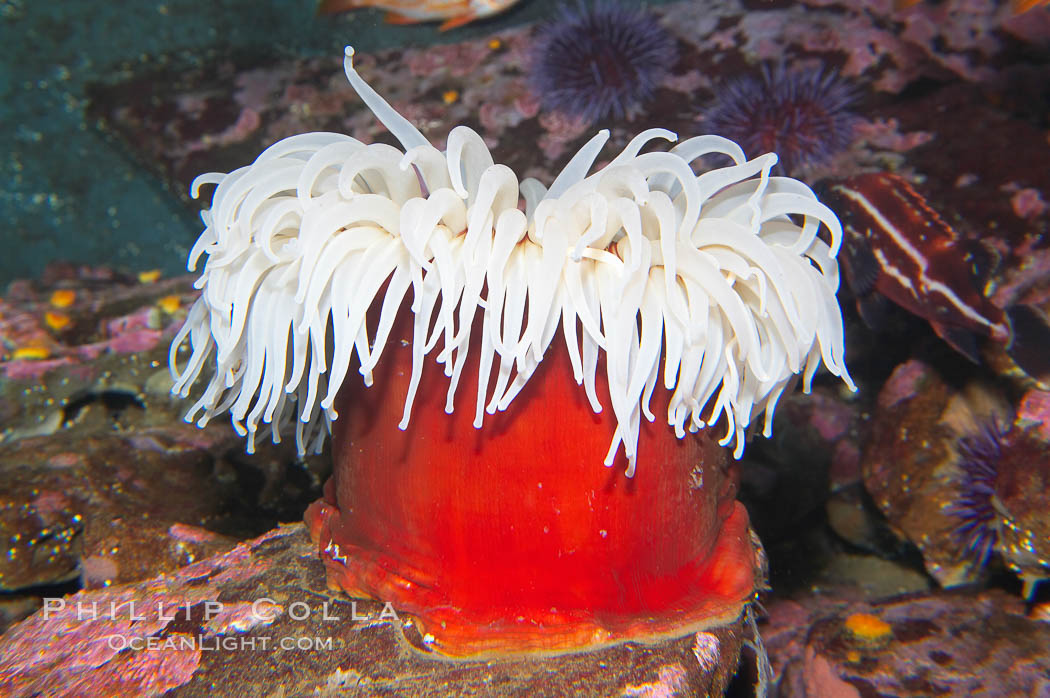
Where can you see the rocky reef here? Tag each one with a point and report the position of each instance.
(907, 526)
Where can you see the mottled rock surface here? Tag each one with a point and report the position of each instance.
(219, 116)
(103, 481)
(105, 487)
(911, 463)
(260, 619)
(918, 469)
(939, 644)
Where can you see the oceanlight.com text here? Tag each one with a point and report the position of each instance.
(227, 643)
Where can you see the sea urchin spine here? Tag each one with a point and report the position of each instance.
(801, 115)
(600, 60)
(979, 453)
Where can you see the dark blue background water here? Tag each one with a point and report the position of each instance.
(70, 191)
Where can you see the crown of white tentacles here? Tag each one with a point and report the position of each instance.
(725, 279)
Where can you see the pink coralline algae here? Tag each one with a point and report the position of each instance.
(940, 644)
(1026, 281)
(1033, 27)
(240, 617)
(115, 316)
(97, 571)
(830, 417)
(66, 460)
(233, 564)
(845, 464)
(481, 79)
(1034, 412)
(903, 384)
(122, 343)
(885, 134)
(1028, 203)
(132, 342)
(50, 504)
(561, 131)
(500, 115)
(131, 641)
(527, 104)
(150, 673)
(896, 46)
(246, 123)
(31, 369)
(78, 642)
(457, 60)
(191, 534)
(671, 681)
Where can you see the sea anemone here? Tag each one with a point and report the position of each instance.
(599, 60)
(692, 298)
(802, 115)
(978, 465)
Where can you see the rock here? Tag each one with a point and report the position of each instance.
(943, 643)
(911, 463)
(102, 506)
(258, 619)
(1021, 496)
(104, 481)
(959, 477)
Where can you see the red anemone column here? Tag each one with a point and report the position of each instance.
(514, 537)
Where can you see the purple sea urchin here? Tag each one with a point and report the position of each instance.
(598, 60)
(801, 115)
(980, 453)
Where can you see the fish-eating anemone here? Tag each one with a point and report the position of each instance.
(675, 299)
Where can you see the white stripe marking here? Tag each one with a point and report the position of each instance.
(926, 284)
